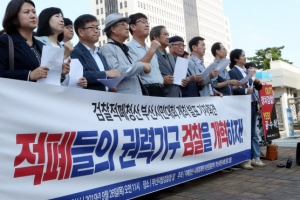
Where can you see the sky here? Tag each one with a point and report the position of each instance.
(254, 24)
(258, 24)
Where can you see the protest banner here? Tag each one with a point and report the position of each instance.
(268, 113)
(68, 143)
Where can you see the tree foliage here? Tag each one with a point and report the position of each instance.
(262, 62)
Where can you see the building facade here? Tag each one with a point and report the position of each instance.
(185, 18)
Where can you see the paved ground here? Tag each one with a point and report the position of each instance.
(269, 182)
(285, 141)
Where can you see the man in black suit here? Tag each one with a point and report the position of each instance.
(238, 72)
(94, 64)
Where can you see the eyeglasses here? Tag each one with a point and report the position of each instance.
(143, 21)
(69, 27)
(92, 28)
(176, 44)
(124, 24)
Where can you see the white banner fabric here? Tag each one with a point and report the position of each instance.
(68, 143)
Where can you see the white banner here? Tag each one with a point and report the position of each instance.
(68, 143)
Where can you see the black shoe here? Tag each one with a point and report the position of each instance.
(170, 189)
(227, 170)
(152, 196)
(235, 167)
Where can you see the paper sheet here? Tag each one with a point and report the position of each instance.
(76, 72)
(52, 57)
(180, 70)
(246, 79)
(208, 69)
(222, 65)
(113, 82)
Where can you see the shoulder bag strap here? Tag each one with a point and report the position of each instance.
(10, 53)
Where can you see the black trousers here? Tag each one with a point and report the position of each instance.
(155, 90)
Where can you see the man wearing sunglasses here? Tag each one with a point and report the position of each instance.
(94, 64)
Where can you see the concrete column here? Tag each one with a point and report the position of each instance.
(284, 106)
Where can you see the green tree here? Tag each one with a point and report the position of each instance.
(262, 62)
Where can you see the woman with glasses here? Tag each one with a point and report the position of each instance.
(51, 32)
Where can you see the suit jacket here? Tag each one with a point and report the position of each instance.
(116, 59)
(24, 58)
(235, 73)
(192, 89)
(195, 68)
(90, 68)
(167, 69)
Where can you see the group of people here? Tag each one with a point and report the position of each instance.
(152, 67)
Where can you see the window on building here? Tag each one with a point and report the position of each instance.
(101, 10)
(121, 5)
(96, 1)
(100, 1)
(126, 14)
(99, 43)
(125, 4)
(103, 42)
(97, 11)
(138, 4)
(102, 21)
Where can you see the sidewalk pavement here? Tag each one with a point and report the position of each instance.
(269, 182)
(285, 141)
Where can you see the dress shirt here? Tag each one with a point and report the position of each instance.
(96, 58)
(137, 52)
(209, 84)
(224, 75)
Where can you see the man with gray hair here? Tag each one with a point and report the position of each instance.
(166, 62)
(117, 56)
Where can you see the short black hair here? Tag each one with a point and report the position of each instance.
(250, 64)
(216, 46)
(11, 21)
(68, 22)
(44, 28)
(134, 18)
(195, 41)
(82, 20)
(234, 54)
(156, 32)
(185, 53)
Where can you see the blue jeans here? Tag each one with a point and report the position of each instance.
(255, 147)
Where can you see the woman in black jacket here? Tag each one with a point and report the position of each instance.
(19, 22)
